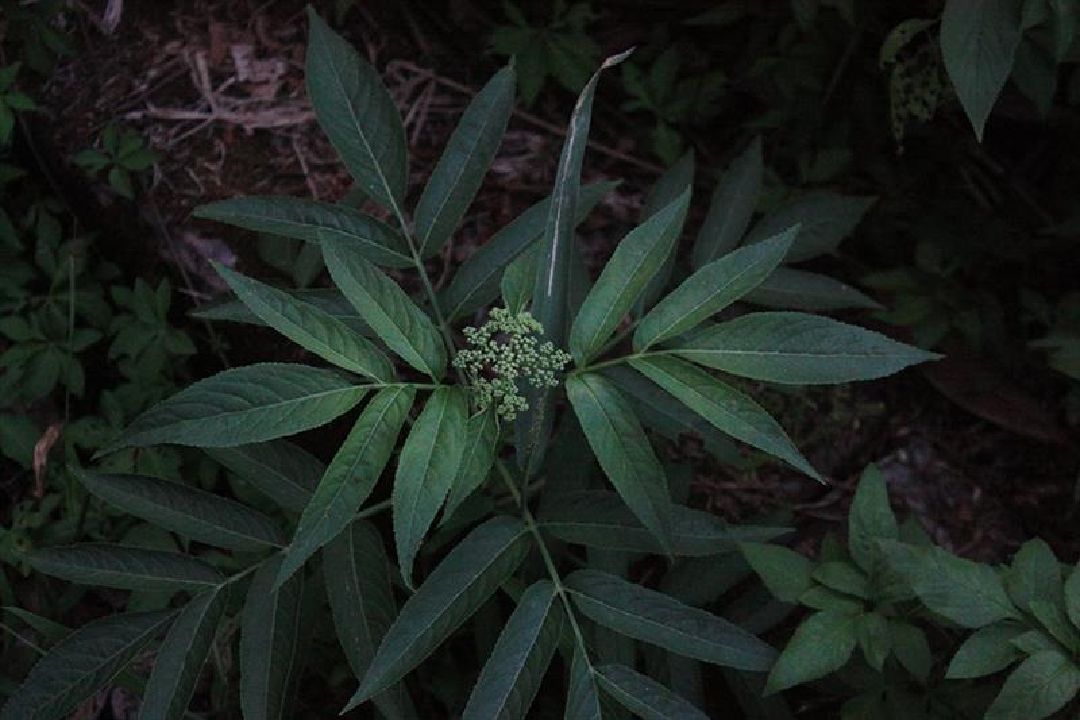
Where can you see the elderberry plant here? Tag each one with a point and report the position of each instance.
(546, 475)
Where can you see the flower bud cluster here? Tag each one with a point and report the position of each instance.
(504, 351)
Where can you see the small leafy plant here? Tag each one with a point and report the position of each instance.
(123, 154)
(467, 431)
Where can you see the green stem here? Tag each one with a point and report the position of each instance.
(616, 361)
(375, 509)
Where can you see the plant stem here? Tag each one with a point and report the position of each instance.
(616, 361)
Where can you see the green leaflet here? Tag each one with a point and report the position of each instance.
(476, 282)
(785, 573)
(469, 574)
(284, 472)
(383, 305)
(624, 452)
(481, 445)
(637, 258)
(350, 477)
(643, 696)
(732, 206)
(81, 664)
(843, 577)
(824, 220)
(188, 511)
(181, 657)
(790, 289)
(870, 519)
(357, 576)
(313, 222)
(269, 640)
(968, 593)
(986, 651)
(426, 468)
(600, 519)
(799, 349)
(127, 568)
(517, 281)
(1042, 685)
(465, 160)
(725, 407)
(512, 674)
(978, 45)
(911, 648)
(582, 699)
(329, 300)
(1035, 574)
(820, 645)
(658, 619)
(310, 327)
(357, 114)
(679, 178)
(245, 405)
(711, 289)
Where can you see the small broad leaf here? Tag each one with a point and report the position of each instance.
(467, 156)
(870, 519)
(269, 641)
(191, 512)
(726, 408)
(911, 648)
(313, 222)
(820, 645)
(426, 468)
(181, 657)
(711, 289)
(386, 308)
(798, 349)
(624, 452)
(127, 568)
(476, 282)
(1051, 615)
(284, 472)
(1072, 596)
(790, 289)
(978, 45)
(582, 699)
(357, 575)
(600, 519)
(732, 206)
(81, 664)
(1042, 685)
(968, 593)
(512, 674)
(643, 696)
(245, 405)
(653, 617)
(1035, 574)
(357, 114)
(308, 326)
(824, 220)
(637, 259)
(786, 573)
(452, 593)
(481, 444)
(350, 477)
(986, 651)
(875, 639)
(843, 577)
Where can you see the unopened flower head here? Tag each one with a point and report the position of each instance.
(503, 351)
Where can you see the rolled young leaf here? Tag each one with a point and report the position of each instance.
(725, 407)
(732, 206)
(181, 657)
(655, 618)
(643, 696)
(385, 307)
(426, 469)
(357, 576)
(462, 582)
(357, 114)
(127, 568)
(313, 222)
(269, 641)
(799, 349)
(711, 289)
(350, 477)
(467, 156)
(624, 452)
(245, 405)
(83, 663)
(512, 674)
(310, 327)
